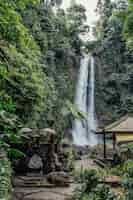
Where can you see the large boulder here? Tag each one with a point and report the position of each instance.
(59, 178)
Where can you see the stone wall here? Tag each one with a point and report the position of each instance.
(42, 152)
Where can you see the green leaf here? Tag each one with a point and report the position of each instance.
(15, 153)
(74, 111)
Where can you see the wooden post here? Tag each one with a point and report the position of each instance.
(114, 142)
(104, 142)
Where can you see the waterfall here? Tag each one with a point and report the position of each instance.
(92, 122)
(79, 127)
(83, 130)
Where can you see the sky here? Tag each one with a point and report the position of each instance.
(90, 6)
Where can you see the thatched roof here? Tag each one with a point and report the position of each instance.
(123, 125)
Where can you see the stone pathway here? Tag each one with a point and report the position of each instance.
(85, 163)
(45, 191)
(56, 193)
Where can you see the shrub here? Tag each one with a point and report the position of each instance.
(5, 179)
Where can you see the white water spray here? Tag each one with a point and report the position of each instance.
(92, 122)
(83, 130)
(79, 128)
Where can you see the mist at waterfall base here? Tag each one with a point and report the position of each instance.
(84, 129)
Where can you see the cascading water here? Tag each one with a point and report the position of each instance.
(92, 122)
(79, 127)
(83, 130)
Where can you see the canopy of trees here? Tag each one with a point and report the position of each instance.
(114, 54)
(39, 54)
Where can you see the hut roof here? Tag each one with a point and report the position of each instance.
(123, 125)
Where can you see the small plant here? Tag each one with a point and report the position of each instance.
(128, 168)
(104, 192)
(126, 151)
(5, 179)
(91, 180)
(117, 170)
(128, 179)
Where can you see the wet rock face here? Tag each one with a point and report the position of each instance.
(42, 152)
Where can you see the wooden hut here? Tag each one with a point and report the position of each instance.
(120, 131)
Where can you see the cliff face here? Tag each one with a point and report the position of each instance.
(114, 60)
(113, 87)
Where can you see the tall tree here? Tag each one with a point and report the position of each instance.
(128, 25)
(114, 61)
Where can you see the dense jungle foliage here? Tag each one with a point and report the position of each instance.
(114, 55)
(40, 50)
(39, 54)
